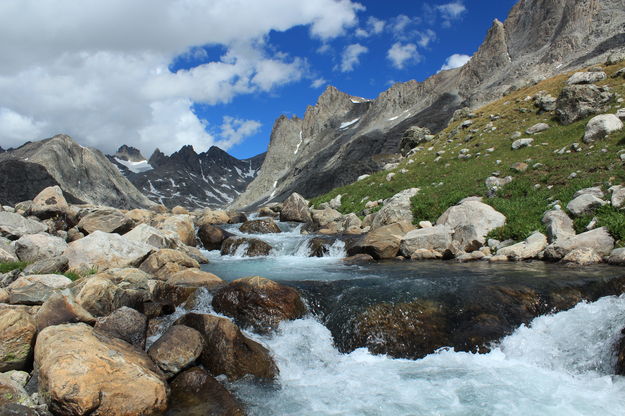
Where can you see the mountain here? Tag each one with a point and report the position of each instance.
(83, 173)
(209, 179)
(343, 137)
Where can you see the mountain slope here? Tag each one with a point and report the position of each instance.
(209, 179)
(81, 172)
(340, 136)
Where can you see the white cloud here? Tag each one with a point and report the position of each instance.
(351, 56)
(400, 24)
(455, 61)
(401, 54)
(426, 37)
(374, 26)
(234, 131)
(318, 83)
(98, 69)
(451, 11)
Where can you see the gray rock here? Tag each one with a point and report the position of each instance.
(61, 308)
(620, 113)
(528, 249)
(127, 324)
(323, 217)
(295, 208)
(17, 337)
(601, 126)
(34, 247)
(57, 264)
(537, 128)
(520, 143)
(545, 103)
(50, 202)
(618, 196)
(437, 238)
(398, 208)
(617, 257)
(413, 137)
(351, 220)
(579, 101)
(146, 234)
(13, 226)
(582, 257)
(598, 239)
(586, 78)
(335, 203)
(595, 191)
(615, 58)
(494, 183)
(584, 204)
(471, 212)
(559, 225)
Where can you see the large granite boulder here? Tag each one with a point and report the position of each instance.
(259, 303)
(125, 323)
(102, 251)
(17, 337)
(212, 236)
(61, 308)
(262, 226)
(181, 227)
(50, 203)
(295, 208)
(83, 371)
(383, 242)
(585, 204)
(195, 278)
(586, 78)
(177, 349)
(165, 262)
(227, 351)
(216, 217)
(323, 217)
(559, 225)
(34, 247)
(481, 216)
(397, 209)
(598, 239)
(580, 101)
(106, 220)
(13, 225)
(528, 249)
(146, 234)
(248, 247)
(601, 126)
(438, 238)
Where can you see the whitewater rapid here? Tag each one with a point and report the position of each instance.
(559, 365)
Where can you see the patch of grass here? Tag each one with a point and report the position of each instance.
(555, 170)
(72, 276)
(8, 267)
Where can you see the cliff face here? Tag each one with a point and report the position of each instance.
(343, 137)
(84, 173)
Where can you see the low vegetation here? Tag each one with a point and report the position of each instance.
(10, 266)
(552, 174)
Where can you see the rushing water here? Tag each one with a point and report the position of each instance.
(561, 364)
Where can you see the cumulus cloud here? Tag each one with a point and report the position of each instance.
(455, 61)
(451, 11)
(351, 56)
(318, 83)
(401, 54)
(235, 130)
(374, 26)
(98, 69)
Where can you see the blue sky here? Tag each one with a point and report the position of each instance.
(441, 35)
(167, 73)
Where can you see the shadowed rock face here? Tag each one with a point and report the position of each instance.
(82, 173)
(336, 140)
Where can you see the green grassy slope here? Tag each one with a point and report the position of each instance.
(445, 182)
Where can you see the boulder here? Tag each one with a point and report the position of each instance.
(267, 212)
(520, 143)
(165, 262)
(102, 251)
(559, 225)
(598, 239)
(584, 204)
(213, 218)
(473, 212)
(227, 351)
(528, 249)
(178, 210)
(601, 126)
(17, 338)
(57, 264)
(36, 289)
(383, 242)
(180, 227)
(586, 78)
(495, 183)
(537, 128)
(263, 226)
(106, 220)
(248, 247)
(50, 203)
(237, 218)
(413, 137)
(82, 371)
(351, 220)
(13, 393)
(617, 257)
(618, 196)
(125, 323)
(436, 238)
(195, 278)
(146, 234)
(595, 191)
(140, 216)
(397, 209)
(195, 392)
(323, 217)
(34, 247)
(61, 308)
(467, 238)
(358, 259)
(545, 103)
(259, 303)
(582, 257)
(335, 203)
(13, 225)
(177, 349)
(212, 237)
(580, 101)
(295, 208)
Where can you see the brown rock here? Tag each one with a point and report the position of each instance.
(180, 226)
(263, 226)
(106, 220)
(165, 262)
(383, 242)
(178, 210)
(267, 212)
(82, 371)
(127, 324)
(227, 351)
(295, 208)
(237, 218)
(50, 203)
(358, 259)
(177, 349)
(195, 393)
(259, 303)
(195, 278)
(17, 337)
(61, 308)
(213, 218)
(11, 393)
(211, 236)
(170, 294)
(254, 247)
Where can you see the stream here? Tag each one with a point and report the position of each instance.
(559, 364)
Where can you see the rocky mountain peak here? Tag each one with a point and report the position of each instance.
(158, 158)
(129, 154)
(331, 107)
